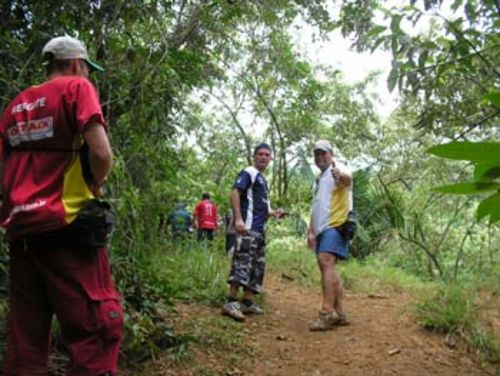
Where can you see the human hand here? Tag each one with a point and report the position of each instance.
(239, 225)
(280, 213)
(311, 240)
(96, 190)
(336, 173)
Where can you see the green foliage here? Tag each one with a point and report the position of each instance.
(290, 258)
(192, 273)
(482, 152)
(377, 276)
(379, 212)
(455, 309)
(150, 279)
(486, 158)
(447, 72)
(449, 308)
(185, 85)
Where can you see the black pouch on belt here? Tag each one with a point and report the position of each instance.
(93, 226)
(348, 228)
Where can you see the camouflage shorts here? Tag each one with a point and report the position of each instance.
(249, 261)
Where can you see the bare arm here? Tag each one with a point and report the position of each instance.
(311, 235)
(239, 225)
(100, 155)
(342, 177)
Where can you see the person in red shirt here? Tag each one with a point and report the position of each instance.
(45, 183)
(205, 218)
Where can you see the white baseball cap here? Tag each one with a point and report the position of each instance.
(322, 145)
(66, 47)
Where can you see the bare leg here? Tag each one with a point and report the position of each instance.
(326, 262)
(233, 290)
(339, 293)
(248, 294)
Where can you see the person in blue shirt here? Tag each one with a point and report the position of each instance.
(179, 221)
(251, 209)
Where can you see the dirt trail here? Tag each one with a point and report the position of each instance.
(382, 340)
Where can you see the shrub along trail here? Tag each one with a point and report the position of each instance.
(383, 339)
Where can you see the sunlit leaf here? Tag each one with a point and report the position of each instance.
(469, 151)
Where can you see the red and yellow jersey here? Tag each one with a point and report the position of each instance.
(40, 135)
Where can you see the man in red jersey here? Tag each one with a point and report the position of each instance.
(205, 217)
(44, 188)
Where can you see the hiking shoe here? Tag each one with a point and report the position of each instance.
(252, 309)
(342, 320)
(232, 309)
(325, 321)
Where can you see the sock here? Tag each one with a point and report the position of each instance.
(247, 302)
(230, 299)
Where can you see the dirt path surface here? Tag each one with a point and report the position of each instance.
(382, 339)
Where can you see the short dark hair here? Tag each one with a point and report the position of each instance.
(262, 145)
(52, 65)
(205, 196)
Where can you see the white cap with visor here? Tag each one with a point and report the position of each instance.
(65, 48)
(322, 145)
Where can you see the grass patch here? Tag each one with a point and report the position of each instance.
(290, 257)
(213, 345)
(216, 334)
(195, 273)
(372, 275)
(460, 308)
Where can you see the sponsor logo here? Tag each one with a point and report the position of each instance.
(31, 130)
(23, 208)
(29, 106)
(28, 207)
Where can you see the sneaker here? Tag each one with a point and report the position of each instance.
(325, 321)
(342, 320)
(252, 308)
(233, 310)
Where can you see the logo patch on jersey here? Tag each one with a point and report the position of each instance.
(29, 106)
(32, 130)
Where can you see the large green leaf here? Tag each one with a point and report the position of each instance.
(470, 151)
(468, 188)
(487, 171)
(491, 207)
